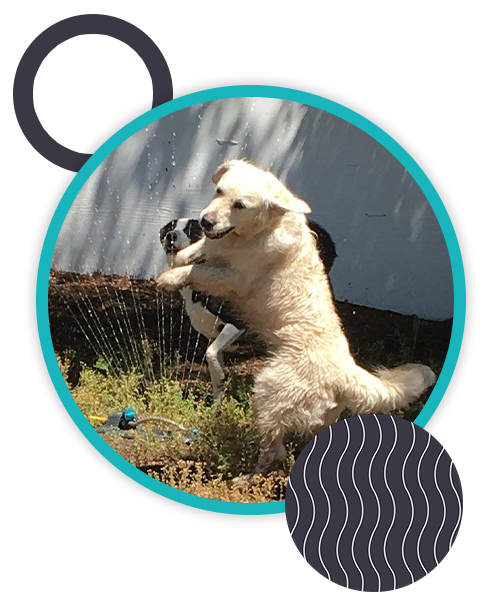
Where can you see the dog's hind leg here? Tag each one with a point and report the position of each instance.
(214, 356)
(330, 417)
(272, 452)
(272, 455)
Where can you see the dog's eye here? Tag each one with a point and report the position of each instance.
(238, 204)
(219, 190)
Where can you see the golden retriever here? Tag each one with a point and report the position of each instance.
(259, 253)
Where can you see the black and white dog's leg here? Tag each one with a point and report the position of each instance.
(214, 356)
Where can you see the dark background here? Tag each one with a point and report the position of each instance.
(98, 524)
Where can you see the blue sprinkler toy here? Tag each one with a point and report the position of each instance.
(127, 420)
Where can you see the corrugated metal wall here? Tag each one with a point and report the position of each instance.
(392, 253)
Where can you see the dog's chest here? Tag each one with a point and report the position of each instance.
(252, 269)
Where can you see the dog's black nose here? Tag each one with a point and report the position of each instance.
(208, 222)
(171, 236)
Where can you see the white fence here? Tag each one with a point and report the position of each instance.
(392, 254)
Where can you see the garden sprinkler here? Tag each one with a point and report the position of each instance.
(127, 420)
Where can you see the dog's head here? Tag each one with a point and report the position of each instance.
(180, 233)
(246, 198)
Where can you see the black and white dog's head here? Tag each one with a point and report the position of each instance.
(180, 233)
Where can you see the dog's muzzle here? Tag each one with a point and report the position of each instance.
(208, 223)
(170, 242)
(212, 235)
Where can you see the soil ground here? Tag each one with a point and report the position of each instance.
(82, 305)
(111, 325)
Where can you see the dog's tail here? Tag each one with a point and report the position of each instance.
(388, 389)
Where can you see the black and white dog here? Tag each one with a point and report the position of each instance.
(212, 317)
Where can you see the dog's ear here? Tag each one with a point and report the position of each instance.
(284, 201)
(194, 230)
(166, 228)
(228, 164)
(221, 170)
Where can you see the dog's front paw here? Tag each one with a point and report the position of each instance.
(173, 280)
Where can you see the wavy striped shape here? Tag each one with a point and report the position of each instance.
(426, 504)
(347, 508)
(361, 503)
(394, 507)
(312, 499)
(328, 505)
(443, 504)
(459, 504)
(378, 503)
(375, 503)
(411, 506)
(298, 508)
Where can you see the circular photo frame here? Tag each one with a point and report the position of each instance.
(228, 92)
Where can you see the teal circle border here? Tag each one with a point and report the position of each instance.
(255, 91)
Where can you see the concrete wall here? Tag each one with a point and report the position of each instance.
(392, 253)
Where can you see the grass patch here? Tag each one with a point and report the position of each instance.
(226, 447)
(123, 346)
